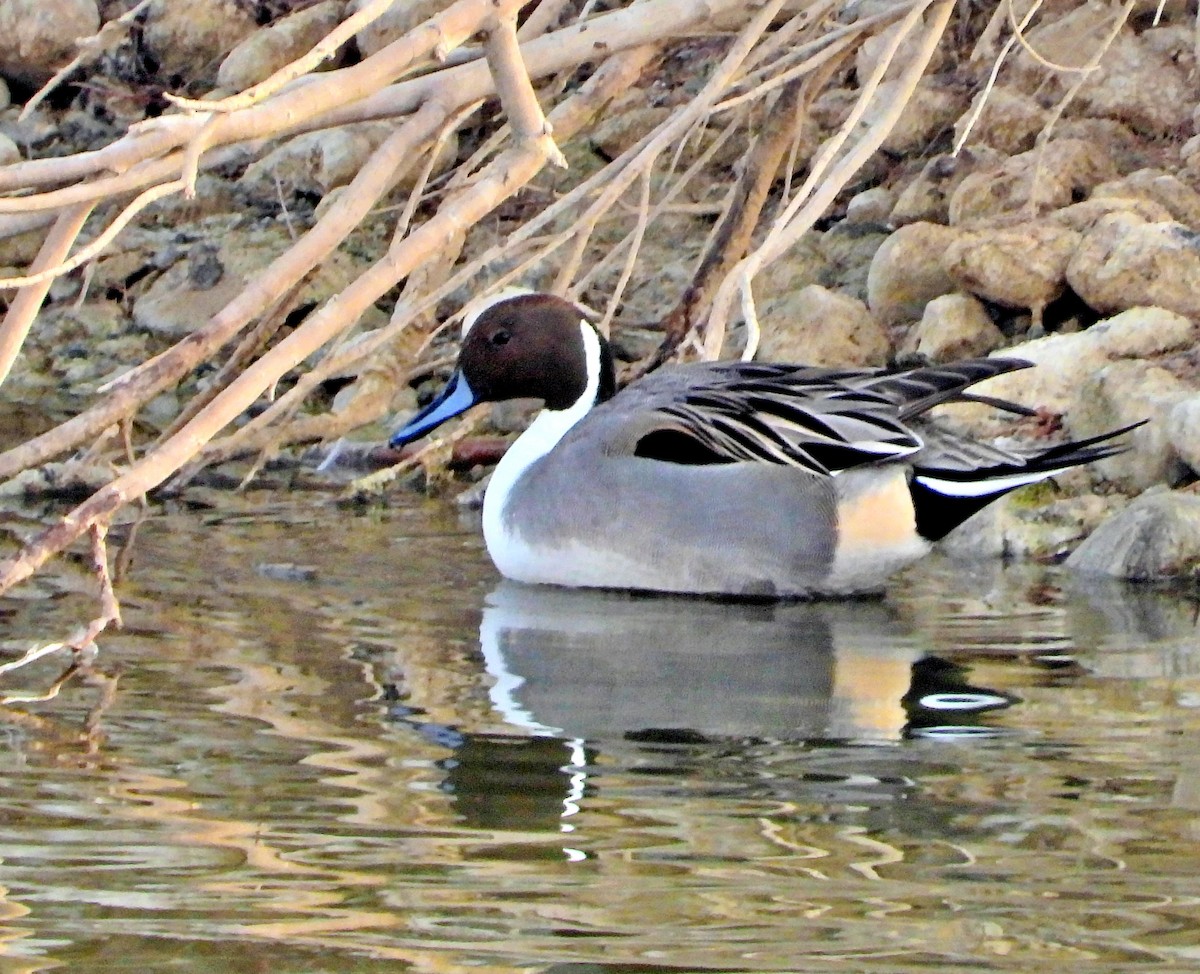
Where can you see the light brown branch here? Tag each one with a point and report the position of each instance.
(141, 384)
(507, 173)
(321, 52)
(27, 303)
(826, 179)
(614, 76)
(90, 48)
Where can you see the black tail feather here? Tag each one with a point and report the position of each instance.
(939, 508)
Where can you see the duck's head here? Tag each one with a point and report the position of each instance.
(523, 346)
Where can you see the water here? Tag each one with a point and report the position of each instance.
(336, 743)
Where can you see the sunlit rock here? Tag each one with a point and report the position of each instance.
(907, 272)
(1155, 537)
(271, 48)
(1124, 262)
(39, 35)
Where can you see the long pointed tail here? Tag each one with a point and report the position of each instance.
(946, 490)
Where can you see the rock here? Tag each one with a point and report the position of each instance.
(1136, 82)
(1034, 522)
(1156, 537)
(907, 272)
(190, 39)
(1009, 121)
(67, 479)
(203, 279)
(817, 326)
(9, 153)
(930, 111)
(267, 50)
(317, 162)
(621, 130)
(1081, 217)
(1065, 361)
(955, 326)
(1020, 267)
(1183, 431)
(395, 22)
(1046, 178)
(871, 50)
(1181, 202)
(850, 248)
(806, 264)
(74, 348)
(927, 198)
(1127, 150)
(832, 106)
(1124, 262)
(1175, 42)
(1123, 393)
(39, 36)
(5, 95)
(871, 206)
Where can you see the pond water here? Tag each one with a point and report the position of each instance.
(333, 741)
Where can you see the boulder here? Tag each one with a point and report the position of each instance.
(873, 48)
(872, 206)
(926, 199)
(9, 152)
(1019, 267)
(1120, 394)
(1156, 537)
(267, 50)
(1183, 431)
(817, 326)
(1009, 121)
(395, 22)
(931, 110)
(1123, 262)
(954, 326)
(1046, 178)
(1137, 82)
(907, 273)
(190, 39)
(1180, 201)
(317, 162)
(1065, 362)
(201, 279)
(1081, 217)
(39, 36)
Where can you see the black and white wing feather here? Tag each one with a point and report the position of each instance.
(821, 420)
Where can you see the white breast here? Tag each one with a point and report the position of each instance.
(501, 527)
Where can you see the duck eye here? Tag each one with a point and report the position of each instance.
(500, 338)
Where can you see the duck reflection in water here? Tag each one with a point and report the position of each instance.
(577, 674)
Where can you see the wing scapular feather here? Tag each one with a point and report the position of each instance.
(821, 420)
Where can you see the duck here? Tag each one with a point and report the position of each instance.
(723, 479)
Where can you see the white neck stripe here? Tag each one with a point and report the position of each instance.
(544, 433)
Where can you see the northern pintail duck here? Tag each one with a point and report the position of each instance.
(732, 478)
